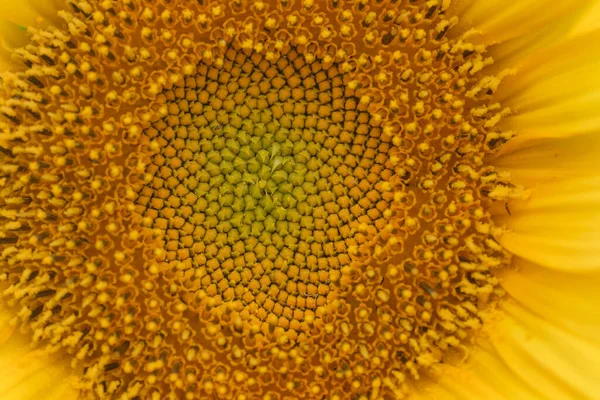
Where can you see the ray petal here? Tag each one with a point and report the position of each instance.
(549, 160)
(31, 374)
(555, 92)
(558, 226)
(520, 355)
(568, 300)
(498, 21)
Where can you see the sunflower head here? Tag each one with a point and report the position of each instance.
(243, 200)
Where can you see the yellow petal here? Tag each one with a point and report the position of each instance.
(558, 226)
(553, 361)
(556, 91)
(497, 21)
(550, 160)
(31, 374)
(30, 12)
(11, 37)
(590, 21)
(482, 376)
(570, 301)
(560, 27)
(519, 355)
(6, 330)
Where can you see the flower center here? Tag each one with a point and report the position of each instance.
(266, 172)
(249, 200)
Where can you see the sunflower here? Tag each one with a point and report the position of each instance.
(367, 199)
